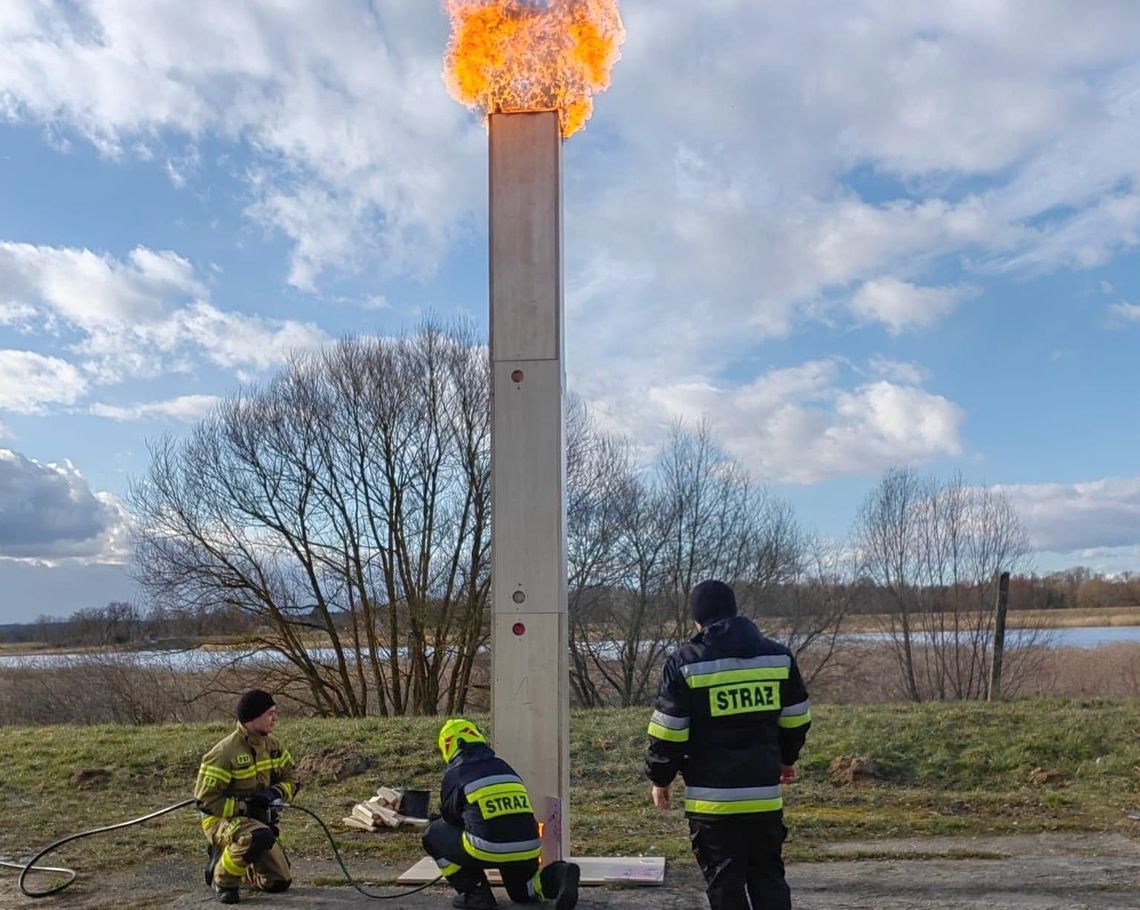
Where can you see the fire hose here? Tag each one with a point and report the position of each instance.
(31, 864)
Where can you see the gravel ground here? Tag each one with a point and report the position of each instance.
(1045, 872)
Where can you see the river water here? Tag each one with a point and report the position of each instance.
(1079, 637)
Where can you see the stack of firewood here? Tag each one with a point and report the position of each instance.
(381, 811)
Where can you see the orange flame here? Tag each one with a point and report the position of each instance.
(529, 55)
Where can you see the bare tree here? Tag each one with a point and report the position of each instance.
(807, 611)
(935, 547)
(692, 513)
(344, 507)
(599, 478)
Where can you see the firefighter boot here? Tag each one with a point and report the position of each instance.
(480, 899)
(226, 895)
(560, 884)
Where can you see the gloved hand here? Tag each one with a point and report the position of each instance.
(273, 796)
(261, 805)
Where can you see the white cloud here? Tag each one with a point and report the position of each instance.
(1124, 312)
(800, 425)
(1112, 561)
(185, 407)
(346, 102)
(1088, 239)
(745, 137)
(93, 291)
(49, 512)
(142, 317)
(1068, 517)
(16, 314)
(897, 370)
(235, 340)
(900, 305)
(30, 381)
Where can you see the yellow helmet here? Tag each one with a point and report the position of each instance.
(457, 731)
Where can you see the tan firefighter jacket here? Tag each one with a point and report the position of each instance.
(239, 765)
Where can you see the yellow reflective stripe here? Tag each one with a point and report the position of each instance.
(449, 869)
(795, 720)
(229, 807)
(495, 790)
(489, 857)
(710, 807)
(750, 674)
(287, 788)
(266, 764)
(272, 764)
(214, 771)
(231, 865)
(209, 820)
(676, 736)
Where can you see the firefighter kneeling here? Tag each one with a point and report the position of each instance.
(488, 823)
(242, 782)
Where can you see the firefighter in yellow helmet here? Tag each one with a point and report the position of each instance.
(242, 782)
(487, 823)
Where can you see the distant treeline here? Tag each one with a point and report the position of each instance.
(127, 624)
(121, 623)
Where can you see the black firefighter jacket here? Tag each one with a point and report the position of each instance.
(731, 709)
(482, 794)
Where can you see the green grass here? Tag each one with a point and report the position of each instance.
(951, 769)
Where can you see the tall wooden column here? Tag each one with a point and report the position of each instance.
(530, 697)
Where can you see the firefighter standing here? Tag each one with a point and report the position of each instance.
(732, 714)
(242, 782)
(487, 823)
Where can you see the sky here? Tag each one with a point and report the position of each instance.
(849, 235)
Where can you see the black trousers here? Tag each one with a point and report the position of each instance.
(442, 842)
(741, 858)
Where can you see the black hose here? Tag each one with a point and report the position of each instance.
(344, 868)
(30, 865)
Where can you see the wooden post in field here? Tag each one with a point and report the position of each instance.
(999, 636)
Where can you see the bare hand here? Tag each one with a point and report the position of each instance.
(661, 797)
(788, 774)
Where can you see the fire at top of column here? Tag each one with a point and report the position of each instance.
(532, 55)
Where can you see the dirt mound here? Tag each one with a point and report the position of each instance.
(851, 769)
(333, 764)
(91, 778)
(1043, 777)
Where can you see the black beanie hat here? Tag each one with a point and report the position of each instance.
(710, 601)
(253, 704)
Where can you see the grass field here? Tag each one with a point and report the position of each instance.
(1072, 618)
(948, 769)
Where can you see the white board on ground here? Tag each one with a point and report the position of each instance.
(596, 870)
